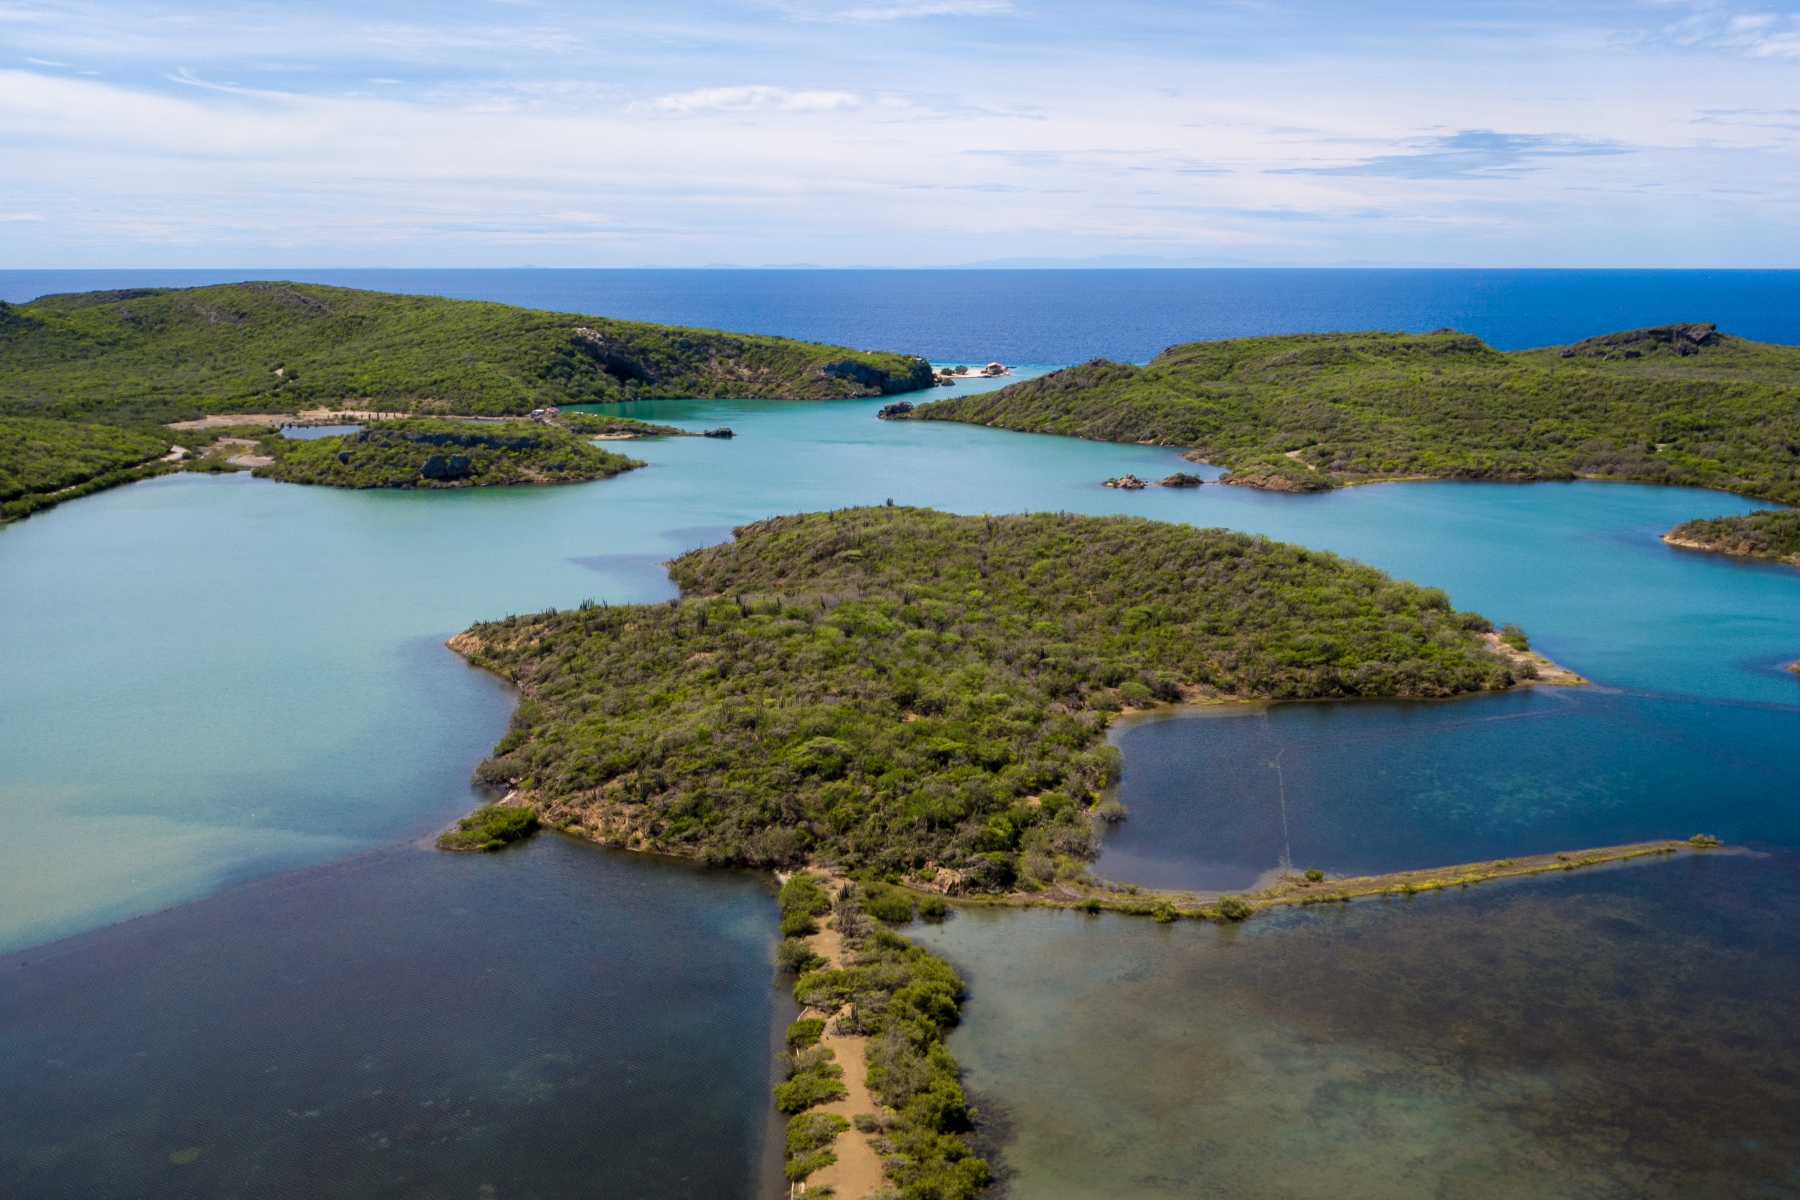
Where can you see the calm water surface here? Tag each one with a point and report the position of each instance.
(208, 681)
(555, 1020)
(1069, 316)
(1628, 1033)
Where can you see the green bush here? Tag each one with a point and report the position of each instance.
(803, 893)
(933, 908)
(798, 924)
(888, 904)
(805, 1032)
(1233, 909)
(490, 828)
(809, 1137)
(1314, 875)
(796, 956)
(1090, 906)
(815, 1080)
(1515, 637)
(1164, 912)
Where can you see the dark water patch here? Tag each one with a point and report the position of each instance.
(554, 1020)
(310, 433)
(644, 577)
(1370, 787)
(1632, 1033)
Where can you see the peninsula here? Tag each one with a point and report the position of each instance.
(1675, 404)
(1770, 534)
(89, 382)
(911, 693)
(427, 453)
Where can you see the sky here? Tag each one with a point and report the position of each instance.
(472, 133)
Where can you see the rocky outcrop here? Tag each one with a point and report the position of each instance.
(1632, 343)
(898, 408)
(1130, 483)
(878, 381)
(615, 357)
(1181, 479)
(721, 432)
(439, 467)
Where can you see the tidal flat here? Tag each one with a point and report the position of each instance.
(1633, 1032)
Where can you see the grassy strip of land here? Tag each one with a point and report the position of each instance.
(491, 827)
(1680, 404)
(876, 992)
(901, 690)
(424, 452)
(1771, 533)
(167, 354)
(1081, 892)
(602, 425)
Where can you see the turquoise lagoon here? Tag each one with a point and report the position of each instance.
(210, 681)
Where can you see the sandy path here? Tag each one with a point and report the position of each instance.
(857, 1172)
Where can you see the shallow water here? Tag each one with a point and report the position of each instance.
(1622, 1033)
(211, 678)
(554, 1020)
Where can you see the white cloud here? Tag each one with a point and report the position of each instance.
(926, 8)
(748, 99)
(600, 131)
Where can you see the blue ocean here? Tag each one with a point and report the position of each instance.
(229, 727)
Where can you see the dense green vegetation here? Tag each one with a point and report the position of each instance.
(900, 690)
(438, 453)
(490, 828)
(600, 424)
(44, 462)
(169, 354)
(1771, 533)
(905, 1000)
(1677, 404)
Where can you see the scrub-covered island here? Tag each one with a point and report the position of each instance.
(901, 690)
(1675, 404)
(90, 382)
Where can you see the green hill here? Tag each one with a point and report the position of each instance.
(888, 687)
(1678, 404)
(167, 354)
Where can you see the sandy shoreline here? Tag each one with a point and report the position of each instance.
(1729, 550)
